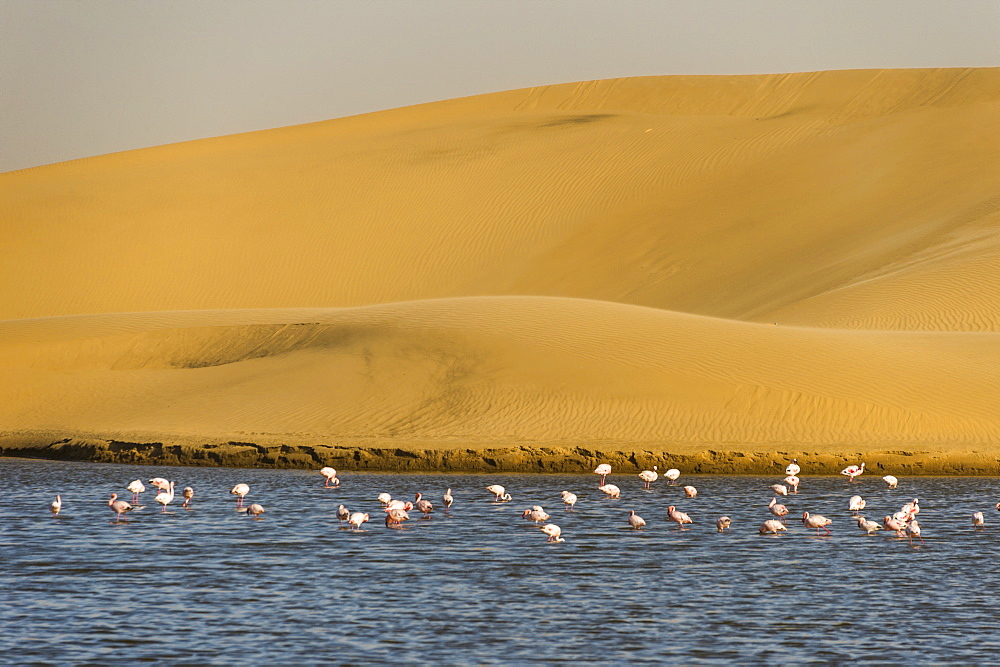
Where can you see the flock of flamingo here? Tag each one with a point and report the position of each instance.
(902, 523)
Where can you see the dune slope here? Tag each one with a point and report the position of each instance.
(698, 266)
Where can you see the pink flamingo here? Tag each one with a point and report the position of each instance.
(603, 470)
(780, 489)
(978, 520)
(255, 510)
(723, 523)
(136, 487)
(611, 490)
(816, 521)
(423, 506)
(119, 507)
(331, 476)
(853, 471)
(777, 509)
(159, 483)
(913, 530)
(536, 514)
(569, 499)
(635, 520)
(648, 477)
(680, 517)
(792, 481)
(188, 495)
(553, 531)
(241, 491)
(357, 519)
(894, 524)
(772, 526)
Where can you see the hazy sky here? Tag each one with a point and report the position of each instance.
(86, 77)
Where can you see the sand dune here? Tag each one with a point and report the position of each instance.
(598, 264)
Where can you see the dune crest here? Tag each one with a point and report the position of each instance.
(798, 262)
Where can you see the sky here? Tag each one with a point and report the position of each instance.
(87, 77)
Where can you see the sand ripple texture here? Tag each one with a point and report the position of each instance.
(686, 264)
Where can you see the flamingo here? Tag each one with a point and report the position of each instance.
(241, 491)
(611, 490)
(870, 527)
(425, 507)
(165, 497)
(569, 499)
(680, 517)
(553, 531)
(500, 493)
(793, 469)
(890, 481)
(188, 495)
(913, 530)
(978, 520)
(772, 526)
(159, 483)
(648, 477)
(792, 481)
(395, 516)
(672, 475)
(777, 509)
(894, 524)
(816, 521)
(635, 520)
(119, 507)
(780, 489)
(536, 514)
(136, 487)
(343, 514)
(357, 519)
(331, 476)
(912, 507)
(723, 523)
(398, 505)
(384, 498)
(56, 505)
(853, 471)
(856, 504)
(447, 499)
(690, 491)
(255, 510)
(603, 470)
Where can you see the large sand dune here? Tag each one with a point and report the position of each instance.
(764, 265)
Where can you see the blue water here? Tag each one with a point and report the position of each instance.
(481, 585)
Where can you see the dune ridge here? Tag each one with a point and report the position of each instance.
(723, 271)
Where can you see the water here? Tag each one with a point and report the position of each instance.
(481, 585)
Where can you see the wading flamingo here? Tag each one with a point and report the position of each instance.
(777, 509)
(241, 491)
(136, 487)
(500, 494)
(870, 527)
(723, 523)
(357, 519)
(780, 489)
(816, 521)
(978, 520)
(635, 520)
(423, 506)
(856, 504)
(553, 531)
(793, 481)
(343, 514)
(890, 481)
(188, 495)
(569, 499)
(119, 507)
(603, 470)
(793, 468)
(331, 476)
(56, 505)
(648, 477)
(680, 517)
(447, 499)
(255, 510)
(165, 497)
(853, 471)
(772, 526)
(672, 475)
(611, 490)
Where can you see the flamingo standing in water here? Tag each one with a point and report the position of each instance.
(384, 498)
(56, 505)
(119, 507)
(255, 510)
(447, 499)
(856, 504)
(603, 470)
(792, 481)
(241, 491)
(672, 475)
(569, 499)
(165, 497)
(978, 520)
(890, 481)
(136, 487)
(500, 494)
(648, 477)
(158, 483)
(188, 495)
(772, 526)
(423, 506)
(680, 517)
(723, 523)
(394, 517)
(853, 471)
(331, 476)
(816, 521)
(913, 530)
(793, 468)
(357, 519)
(553, 531)
(343, 514)
(777, 509)
(690, 491)
(894, 524)
(870, 527)
(611, 490)
(635, 520)
(536, 514)
(780, 489)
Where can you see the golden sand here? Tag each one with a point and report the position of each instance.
(718, 273)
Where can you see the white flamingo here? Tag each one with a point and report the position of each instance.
(603, 470)
(772, 526)
(680, 517)
(672, 475)
(853, 471)
(119, 507)
(569, 499)
(777, 509)
(648, 477)
(780, 489)
(913, 530)
(870, 527)
(912, 507)
(793, 469)
(690, 491)
(136, 487)
(723, 523)
(165, 497)
(816, 521)
(536, 514)
(56, 505)
(343, 514)
(159, 483)
(255, 510)
(188, 495)
(500, 494)
(890, 481)
(398, 505)
(357, 519)
(447, 499)
(553, 531)
(331, 476)
(978, 520)
(423, 506)
(611, 490)
(395, 517)
(856, 504)
(896, 525)
(241, 491)
(793, 482)
(384, 498)
(635, 520)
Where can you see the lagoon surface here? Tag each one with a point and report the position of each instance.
(481, 585)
